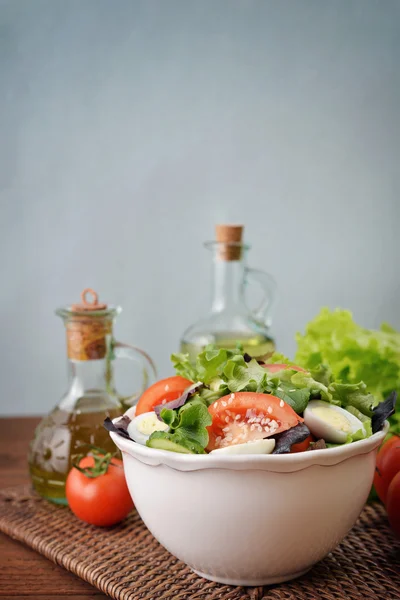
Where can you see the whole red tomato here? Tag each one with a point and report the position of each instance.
(97, 492)
(387, 466)
(393, 504)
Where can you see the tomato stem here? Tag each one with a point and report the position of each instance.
(102, 460)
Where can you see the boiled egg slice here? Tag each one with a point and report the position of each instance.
(142, 426)
(330, 422)
(253, 447)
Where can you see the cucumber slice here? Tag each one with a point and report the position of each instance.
(174, 443)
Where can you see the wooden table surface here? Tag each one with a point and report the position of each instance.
(23, 572)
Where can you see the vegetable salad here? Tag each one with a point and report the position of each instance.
(231, 403)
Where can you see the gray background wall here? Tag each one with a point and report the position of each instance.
(128, 128)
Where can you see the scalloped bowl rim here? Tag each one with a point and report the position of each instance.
(279, 463)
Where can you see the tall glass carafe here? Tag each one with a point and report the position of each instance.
(77, 421)
(231, 320)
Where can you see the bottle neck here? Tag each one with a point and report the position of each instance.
(89, 375)
(91, 386)
(228, 284)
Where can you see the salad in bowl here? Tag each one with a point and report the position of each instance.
(250, 471)
(231, 403)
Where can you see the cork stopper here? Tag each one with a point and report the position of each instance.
(87, 333)
(230, 241)
(86, 305)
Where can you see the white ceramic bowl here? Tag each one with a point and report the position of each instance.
(250, 520)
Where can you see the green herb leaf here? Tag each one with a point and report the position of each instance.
(184, 367)
(190, 421)
(194, 419)
(170, 417)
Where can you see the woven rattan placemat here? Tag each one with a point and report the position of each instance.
(127, 563)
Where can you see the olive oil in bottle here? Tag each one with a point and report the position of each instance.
(61, 436)
(77, 421)
(230, 320)
(257, 345)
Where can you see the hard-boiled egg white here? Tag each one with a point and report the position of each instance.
(330, 422)
(254, 447)
(142, 426)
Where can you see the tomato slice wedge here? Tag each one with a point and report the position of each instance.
(246, 416)
(161, 392)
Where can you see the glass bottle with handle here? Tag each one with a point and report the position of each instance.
(77, 420)
(230, 320)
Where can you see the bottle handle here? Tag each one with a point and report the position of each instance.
(264, 310)
(149, 372)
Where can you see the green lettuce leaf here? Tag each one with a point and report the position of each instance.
(209, 396)
(366, 421)
(322, 374)
(297, 398)
(212, 361)
(356, 436)
(353, 437)
(170, 417)
(317, 389)
(184, 367)
(355, 395)
(242, 376)
(278, 358)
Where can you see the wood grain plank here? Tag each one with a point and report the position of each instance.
(25, 574)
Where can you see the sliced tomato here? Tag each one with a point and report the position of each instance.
(302, 446)
(246, 416)
(275, 367)
(161, 392)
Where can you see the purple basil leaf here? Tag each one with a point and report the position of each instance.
(120, 427)
(383, 411)
(178, 402)
(285, 440)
